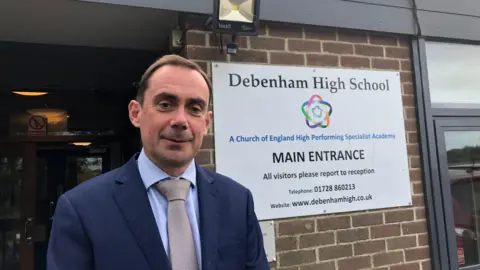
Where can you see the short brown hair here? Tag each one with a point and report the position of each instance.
(169, 60)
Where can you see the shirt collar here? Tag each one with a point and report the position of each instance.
(151, 174)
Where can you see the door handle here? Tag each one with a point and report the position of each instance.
(52, 203)
(28, 238)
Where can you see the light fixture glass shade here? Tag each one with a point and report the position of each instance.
(81, 143)
(29, 94)
(236, 10)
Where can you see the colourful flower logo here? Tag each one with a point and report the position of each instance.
(317, 112)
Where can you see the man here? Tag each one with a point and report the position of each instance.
(137, 216)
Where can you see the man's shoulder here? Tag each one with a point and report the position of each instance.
(97, 186)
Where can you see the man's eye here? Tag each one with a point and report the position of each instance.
(165, 105)
(196, 110)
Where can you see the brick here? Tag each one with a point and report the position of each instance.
(423, 239)
(411, 112)
(408, 101)
(412, 137)
(387, 258)
(334, 252)
(416, 254)
(320, 33)
(415, 164)
(286, 243)
(287, 30)
(387, 40)
(298, 45)
(415, 175)
(352, 36)
(388, 64)
(369, 247)
(354, 263)
(322, 60)
(202, 53)
(324, 266)
(352, 235)
(196, 38)
(399, 216)
(207, 142)
(401, 242)
(406, 77)
(240, 40)
(410, 124)
(296, 227)
(203, 157)
(250, 56)
(337, 48)
(367, 219)
(408, 89)
(333, 223)
(267, 43)
(354, 62)
(420, 214)
(418, 200)
(413, 150)
(408, 266)
(414, 227)
(401, 53)
(406, 65)
(368, 50)
(384, 231)
(417, 188)
(318, 239)
(297, 257)
(286, 58)
(404, 42)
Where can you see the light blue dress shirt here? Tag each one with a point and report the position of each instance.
(151, 174)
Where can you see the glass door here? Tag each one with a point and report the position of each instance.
(17, 205)
(458, 142)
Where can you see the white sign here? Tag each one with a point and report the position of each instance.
(309, 141)
(268, 232)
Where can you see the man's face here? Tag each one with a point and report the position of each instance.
(174, 116)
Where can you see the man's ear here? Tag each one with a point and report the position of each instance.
(134, 112)
(208, 121)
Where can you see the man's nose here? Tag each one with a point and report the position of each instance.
(179, 120)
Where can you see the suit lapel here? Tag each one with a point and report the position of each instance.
(133, 202)
(209, 217)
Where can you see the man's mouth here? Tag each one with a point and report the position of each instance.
(174, 140)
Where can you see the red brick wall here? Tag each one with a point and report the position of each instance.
(393, 239)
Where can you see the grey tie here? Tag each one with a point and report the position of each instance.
(182, 247)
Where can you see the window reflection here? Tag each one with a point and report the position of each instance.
(463, 155)
(453, 75)
(10, 180)
(81, 169)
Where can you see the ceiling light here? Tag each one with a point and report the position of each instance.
(82, 143)
(29, 93)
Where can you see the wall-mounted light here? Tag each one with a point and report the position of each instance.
(235, 18)
(82, 143)
(30, 93)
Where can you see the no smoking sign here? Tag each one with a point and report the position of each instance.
(37, 126)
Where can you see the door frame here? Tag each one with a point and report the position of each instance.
(442, 125)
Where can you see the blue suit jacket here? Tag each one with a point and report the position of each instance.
(106, 223)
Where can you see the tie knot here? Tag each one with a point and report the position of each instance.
(174, 189)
